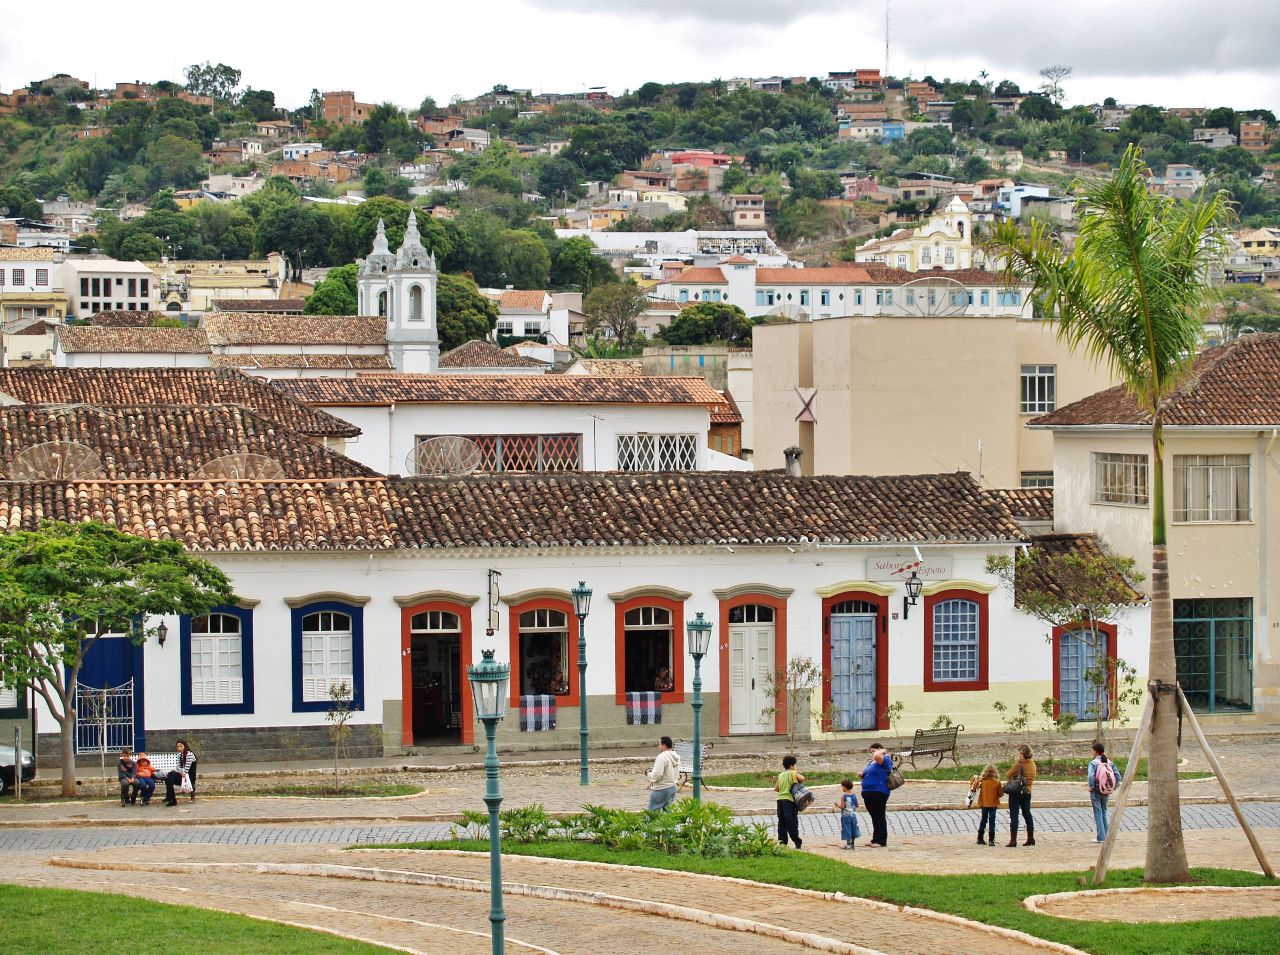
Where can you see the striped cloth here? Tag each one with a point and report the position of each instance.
(644, 708)
(537, 712)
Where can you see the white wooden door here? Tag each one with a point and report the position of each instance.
(750, 663)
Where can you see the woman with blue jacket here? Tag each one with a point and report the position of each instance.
(875, 794)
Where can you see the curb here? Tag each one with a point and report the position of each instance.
(1035, 903)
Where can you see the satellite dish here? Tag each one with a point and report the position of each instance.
(446, 456)
(934, 296)
(792, 313)
(56, 461)
(242, 465)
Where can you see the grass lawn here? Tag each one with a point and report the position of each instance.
(1048, 770)
(993, 899)
(91, 921)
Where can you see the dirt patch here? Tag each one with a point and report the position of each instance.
(1174, 904)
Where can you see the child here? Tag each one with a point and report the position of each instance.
(127, 774)
(988, 787)
(848, 806)
(146, 778)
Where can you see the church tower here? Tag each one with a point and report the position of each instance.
(402, 289)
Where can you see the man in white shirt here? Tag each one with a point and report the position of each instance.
(663, 777)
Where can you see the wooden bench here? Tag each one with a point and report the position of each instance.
(684, 749)
(939, 742)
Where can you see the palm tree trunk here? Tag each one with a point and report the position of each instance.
(1166, 853)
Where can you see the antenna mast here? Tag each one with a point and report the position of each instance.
(886, 40)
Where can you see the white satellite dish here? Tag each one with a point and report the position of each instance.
(448, 455)
(793, 313)
(242, 466)
(56, 461)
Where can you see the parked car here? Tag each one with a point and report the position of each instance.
(6, 768)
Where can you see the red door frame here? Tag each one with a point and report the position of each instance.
(1113, 651)
(984, 641)
(406, 666)
(882, 651)
(676, 607)
(779, 605)
(570, 665)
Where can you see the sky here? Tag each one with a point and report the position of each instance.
(1168, 52)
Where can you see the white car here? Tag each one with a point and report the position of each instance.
(6, 768)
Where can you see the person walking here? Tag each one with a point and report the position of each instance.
(186, 767)
(988, 789)
(664, 775)
(788, 814)
(875, 794)
(1103, 780)
(1023, 767)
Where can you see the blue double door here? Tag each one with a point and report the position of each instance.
(1082, 691)
(853, 671)
(109, 696)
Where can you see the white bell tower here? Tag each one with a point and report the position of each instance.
(402, 288)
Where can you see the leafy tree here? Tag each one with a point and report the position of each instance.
(65, 585)
(648, 93)
(604, 150)
(336, 295)
(260, 103)
(735, 179)
(462, 313)
(525, 259)
(975, 115)
(614, 308)
(1250, 307)
(814, 184)
(300, 233)
(205, 79)
(559, 176)
(428, 106)
(378, 182)
(1221, 117)
(1132, 293)
(575, 265)
(174, 161)
(344, 137)
(225, 229)
(1233, 159)
(1043, 108)
(387, 130)
(20, 202)
(708, 322)
(1007, 88)
(142, 247)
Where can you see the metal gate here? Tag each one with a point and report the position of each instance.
(104, 718)
(853, 671)
(1078, 659)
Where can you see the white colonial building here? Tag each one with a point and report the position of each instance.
(402, 288)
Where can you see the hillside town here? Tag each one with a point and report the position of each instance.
(793, 404)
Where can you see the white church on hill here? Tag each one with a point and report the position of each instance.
(401, 287)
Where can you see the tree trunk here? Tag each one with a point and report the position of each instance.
(67, 724)
(1166, 853)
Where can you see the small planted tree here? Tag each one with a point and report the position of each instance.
(789, 688)
(338, 716)
(893, 716)
(65, 585)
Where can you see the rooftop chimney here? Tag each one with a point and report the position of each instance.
(793, 456)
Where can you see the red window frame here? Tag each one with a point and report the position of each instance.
(676, 607)
(571, 665)
(984, 641)
(1113, 651)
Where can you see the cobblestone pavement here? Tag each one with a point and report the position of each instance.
(604, 920)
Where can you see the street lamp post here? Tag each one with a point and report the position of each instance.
(581, 606)
(489, 682)
(698, 632)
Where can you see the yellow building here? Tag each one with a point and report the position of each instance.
(944, 242)
(1260, 242)
(29, 284)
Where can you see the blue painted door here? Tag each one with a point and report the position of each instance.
(1079, 653)
(853, 671)
(112, 661)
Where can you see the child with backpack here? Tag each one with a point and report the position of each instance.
(987, 788)
(848, 806)
(1103, 781)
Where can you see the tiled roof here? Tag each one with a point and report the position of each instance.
(478, 354)
(612, 367)
(843, 275)
(126, 319)
(1232, 385)
(150, 442)
(886, 276)
(707, 275)
(259, 304)
(500, 389)
(1027, 503)
(739, 259)
(334, 362)
(726, 412)
(534, 300)
(167, 386)
(39, 254)
(256, 328)
(1042, 577)
(527, 511)
(96, 339)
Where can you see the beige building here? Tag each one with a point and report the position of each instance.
(909, 395)
(190, 286)
(1221, 458)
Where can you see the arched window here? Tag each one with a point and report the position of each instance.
(216, 653)
(382, 303)
(955, 638)
(751, 613)
(435, 621)
(415, 303)
(544, 651)
(648, 649)
(327, 655)
(855, 606)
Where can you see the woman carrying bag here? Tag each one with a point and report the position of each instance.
(1021, 775)
(875, 794)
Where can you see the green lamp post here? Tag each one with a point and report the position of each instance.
(581, 606)
(489, 681)
(698, 632)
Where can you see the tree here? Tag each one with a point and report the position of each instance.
(336, 295)
(65, 585)
(560, 176)
(1132, 293)
(141, 247)
(1039, 107)
(1053, 77)
(387, 130)
(604, 150)
(299, 233)
(575, 265)
(526, 263)
(174, 161)
(260, 103)
(204, 79)
(791, 690)
(428, 106)
(648, 93)
(1007, 88)
(378, 182)
(462, 313)
(614, 309)
(708, 322)
(20, 203)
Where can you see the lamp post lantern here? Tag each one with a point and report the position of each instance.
(914, 585)
(489, 682)
(698, 632)
(581, 606)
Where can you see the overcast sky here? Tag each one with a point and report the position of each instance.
(1170, 52)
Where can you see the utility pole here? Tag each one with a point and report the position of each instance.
(886, 40)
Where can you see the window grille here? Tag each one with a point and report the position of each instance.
(1119, 478)
(955, 640)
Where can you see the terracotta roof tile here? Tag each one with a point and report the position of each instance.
(526, 511)
(150, 442)
(533, 299)
(167, 386)
(844, 275)
(726, 412)
(1027, 503)
(478, 354)
(612, 367)
(39, 254)
(1232, 385)
(259, 305)
(329, 362)
(97, 339)
(256, 328)
(1047, 546)
(707, 275)
(126, 319)
(499, 389)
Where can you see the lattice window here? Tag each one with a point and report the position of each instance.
(955, 640)
(526, 452)
(657, 452)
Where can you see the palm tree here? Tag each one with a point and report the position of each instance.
(1132, 294)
